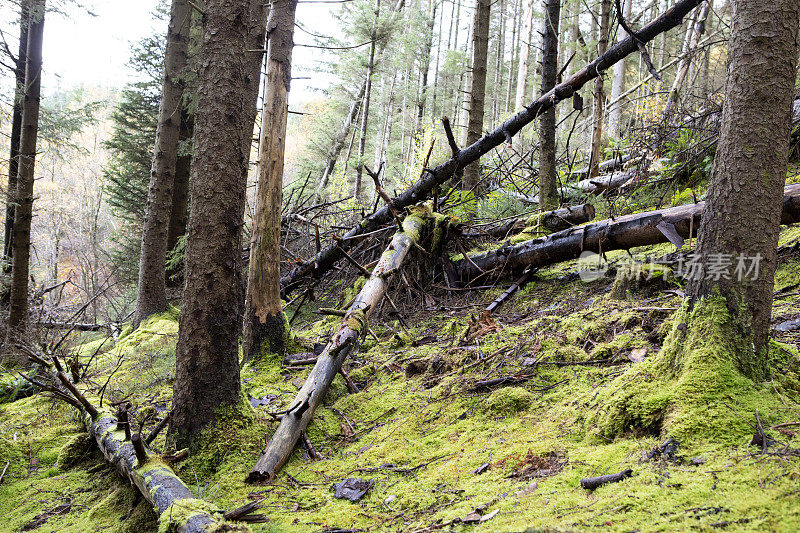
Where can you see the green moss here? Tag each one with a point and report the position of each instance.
(77, 449)
(179, 512)
(509, 400)
(683, 391)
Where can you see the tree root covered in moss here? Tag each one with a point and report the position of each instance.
(687, 389)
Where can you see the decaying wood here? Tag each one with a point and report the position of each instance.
(606, 167)
(500, 300)
(129, 456)
(556, 220)
(622, 233)
(591, 483)
(432, 178)
(344, 342)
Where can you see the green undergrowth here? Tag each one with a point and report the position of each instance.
(439, 446)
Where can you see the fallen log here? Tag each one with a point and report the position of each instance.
(433, 178)
(611, 165)
(176, 506)
(595, 186)
(77, 326)
(622, 233)
(344, 342)
(556, 220)
(591, 483)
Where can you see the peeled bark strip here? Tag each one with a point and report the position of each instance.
(344, 342)
(327, 257)
(622, 233)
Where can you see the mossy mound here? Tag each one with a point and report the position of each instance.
(692, 389)
(509, 401)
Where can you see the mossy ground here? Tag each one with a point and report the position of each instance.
(423, 431)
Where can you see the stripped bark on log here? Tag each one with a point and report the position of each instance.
(435, 177)
(622, 233)
(344, 342)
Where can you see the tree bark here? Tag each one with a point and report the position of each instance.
(480, 40)
(152, 295)
(345, 341)
(16, 131)
(264, 324)
(18, 311)
(599, 94)
(548, 186)
(618, 82)
(326, 258)
(207, 360)
(621, 233)
(179, 212)
(750, 171)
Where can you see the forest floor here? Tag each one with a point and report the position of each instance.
(442, 452)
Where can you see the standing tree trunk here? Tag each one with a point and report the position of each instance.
(425, 63)
(694, 32)
(548, 188)
(179, 213)
(207, 360)
(362, 142)
(480, 39)
(599, 94)
(514, 51)
(618, 82)
(498, 64)
(526, 36)
(341, 138)
(18, 311)
(258, 11)
(152, 295)
(264, 325)
(743, 205)
(16, 131)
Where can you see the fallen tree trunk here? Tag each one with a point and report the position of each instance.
(596, 186)
(433, 178)
(605, 167)
(556, 220)
(344, 342)
(176, 506)
(622, 233)
(77, 326)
